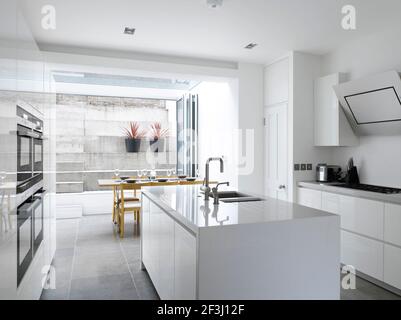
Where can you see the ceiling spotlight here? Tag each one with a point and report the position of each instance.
(251, 45)
(214, 3)
(129, 31)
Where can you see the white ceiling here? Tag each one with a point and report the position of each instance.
(189, 28)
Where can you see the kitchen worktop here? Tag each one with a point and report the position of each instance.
(193, 249)
(187, 205)
(329, 187)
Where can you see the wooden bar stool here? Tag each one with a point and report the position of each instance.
(130, 205)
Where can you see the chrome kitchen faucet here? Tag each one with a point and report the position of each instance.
(205, 186)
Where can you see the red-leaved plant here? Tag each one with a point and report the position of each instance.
(156, 131)
(134, 132)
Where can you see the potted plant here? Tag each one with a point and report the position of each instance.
(133, 137)
(157, 135)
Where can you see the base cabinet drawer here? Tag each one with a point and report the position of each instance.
(392, 223)
(330, 202)
(310, 198)
(392, 266)
(365, 255)
(362, 216)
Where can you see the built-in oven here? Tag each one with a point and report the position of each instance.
(24, 239)
(29, 153)
(37, 219)
(29, 232)
(24, 154)
(37, 146)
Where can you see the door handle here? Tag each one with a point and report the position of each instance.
(281, 186)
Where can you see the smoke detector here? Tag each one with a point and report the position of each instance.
(214, 3)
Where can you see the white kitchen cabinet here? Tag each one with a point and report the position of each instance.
(331, 126)
(392, 265)
(165, 255)
(158, 248)
(145, 232)
(364, 254)
(276, 82)
(310, 198)
(168, 252)
(330, 202)
(185, 264)
(392, 223)
(362, 216)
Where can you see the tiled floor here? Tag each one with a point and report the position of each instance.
(92, 262)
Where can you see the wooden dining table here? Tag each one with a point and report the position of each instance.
(139, 183)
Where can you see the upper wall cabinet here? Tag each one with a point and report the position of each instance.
(276, 82)
(331, 126)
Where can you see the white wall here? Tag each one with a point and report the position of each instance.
(304, 69)
(250, 100)
(218, 125)
(379, 158)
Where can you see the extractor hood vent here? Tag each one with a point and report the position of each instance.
(373, 104)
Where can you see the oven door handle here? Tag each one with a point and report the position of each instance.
(40, 195)
(30, 206)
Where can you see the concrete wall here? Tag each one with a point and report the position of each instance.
(91, 142)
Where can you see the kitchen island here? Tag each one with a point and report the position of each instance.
(268, 249)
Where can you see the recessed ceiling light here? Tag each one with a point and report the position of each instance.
(251, 45)
(129, 31)
(214, 3)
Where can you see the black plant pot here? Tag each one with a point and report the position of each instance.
(132, 145)
(157, 145)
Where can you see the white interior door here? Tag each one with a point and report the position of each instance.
(276, 174)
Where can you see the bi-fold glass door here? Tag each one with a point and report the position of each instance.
(187, 135)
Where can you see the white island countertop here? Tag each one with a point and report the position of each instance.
(268, 249)
(187, 205)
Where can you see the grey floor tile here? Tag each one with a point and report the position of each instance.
(59, 293)
(132, 253)
(104, 247)
(65, 253)
(119, 287)
(99, 264)
(147, 293)
(365, 290)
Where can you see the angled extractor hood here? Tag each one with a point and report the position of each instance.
(372, 104)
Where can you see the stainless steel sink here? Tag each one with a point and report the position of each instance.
(234, 196)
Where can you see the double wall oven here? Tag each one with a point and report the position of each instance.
(30, 190)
